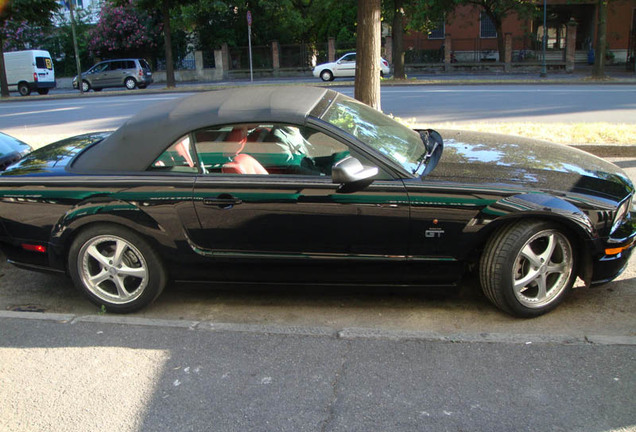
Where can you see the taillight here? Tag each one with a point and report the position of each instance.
(385, 63)
(35, 77)
(141, 72)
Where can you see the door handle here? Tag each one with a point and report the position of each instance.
(223, 201)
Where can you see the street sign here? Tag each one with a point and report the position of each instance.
(249, 18)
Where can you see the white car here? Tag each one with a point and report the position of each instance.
(345, 66)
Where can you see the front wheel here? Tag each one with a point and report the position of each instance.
(85, 86)
(130, 83)
(326, 75)
(527, 268)
(116, 268)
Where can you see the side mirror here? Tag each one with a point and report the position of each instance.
(351, 170)
(434, 147)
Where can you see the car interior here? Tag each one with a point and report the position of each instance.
(260, 149)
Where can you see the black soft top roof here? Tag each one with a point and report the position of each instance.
(136, 144)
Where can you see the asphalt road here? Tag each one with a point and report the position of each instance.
(42, 121)
(82, 375)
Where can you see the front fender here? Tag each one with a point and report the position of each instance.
(541, 205)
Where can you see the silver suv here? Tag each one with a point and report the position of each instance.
(129, 73)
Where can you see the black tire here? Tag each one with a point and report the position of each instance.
(43, 91)
(326, 75)
(24, 89)
(528, 267)
(130, 83)
(85, 86)
(121, 284)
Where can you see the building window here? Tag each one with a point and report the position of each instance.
(439, 32)
(487, 27)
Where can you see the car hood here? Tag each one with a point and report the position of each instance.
(474, 157)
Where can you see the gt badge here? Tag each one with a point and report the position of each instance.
(434, 233)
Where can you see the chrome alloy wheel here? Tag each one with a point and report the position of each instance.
(113, 269)
(542, 269)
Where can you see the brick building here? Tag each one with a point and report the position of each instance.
(474, 37)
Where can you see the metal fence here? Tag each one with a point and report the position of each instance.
(261, 57)
(300, 56)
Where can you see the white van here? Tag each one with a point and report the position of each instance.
(29, 70)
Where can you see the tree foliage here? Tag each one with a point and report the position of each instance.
(288, 21)
(405, 15)
(36, 13)
(60, 42)
(125, 30)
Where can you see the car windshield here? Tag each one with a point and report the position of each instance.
(396, 141)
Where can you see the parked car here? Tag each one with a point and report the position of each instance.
(345, 66)
(129, 73)
(303, 185)
(30, 70)
(11, 150)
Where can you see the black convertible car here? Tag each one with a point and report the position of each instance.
(303, 185)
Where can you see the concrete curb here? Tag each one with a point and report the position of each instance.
(608, 150)
(351, 333)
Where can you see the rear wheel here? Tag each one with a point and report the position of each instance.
(326, 75)
(130, 83)
(527, 268)
(24, 89)
(116, 268)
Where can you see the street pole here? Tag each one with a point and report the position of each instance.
(76, 47)
(249, 41)
(544, 69)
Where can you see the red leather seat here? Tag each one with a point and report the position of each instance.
(243, 164)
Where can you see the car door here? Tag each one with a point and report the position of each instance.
(346, 66)
(97, 74)
(267, 194)
(112, 76)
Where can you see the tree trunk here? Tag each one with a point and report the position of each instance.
(167, 37)
(501, 43)
(368, 44)
(3, 73)
(398, 40)
(598, 71)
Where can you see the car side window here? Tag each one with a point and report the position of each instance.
(101, 67)
(349, 58)
(179, 157)
(267, 149)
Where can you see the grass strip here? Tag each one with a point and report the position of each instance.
(563, 133)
